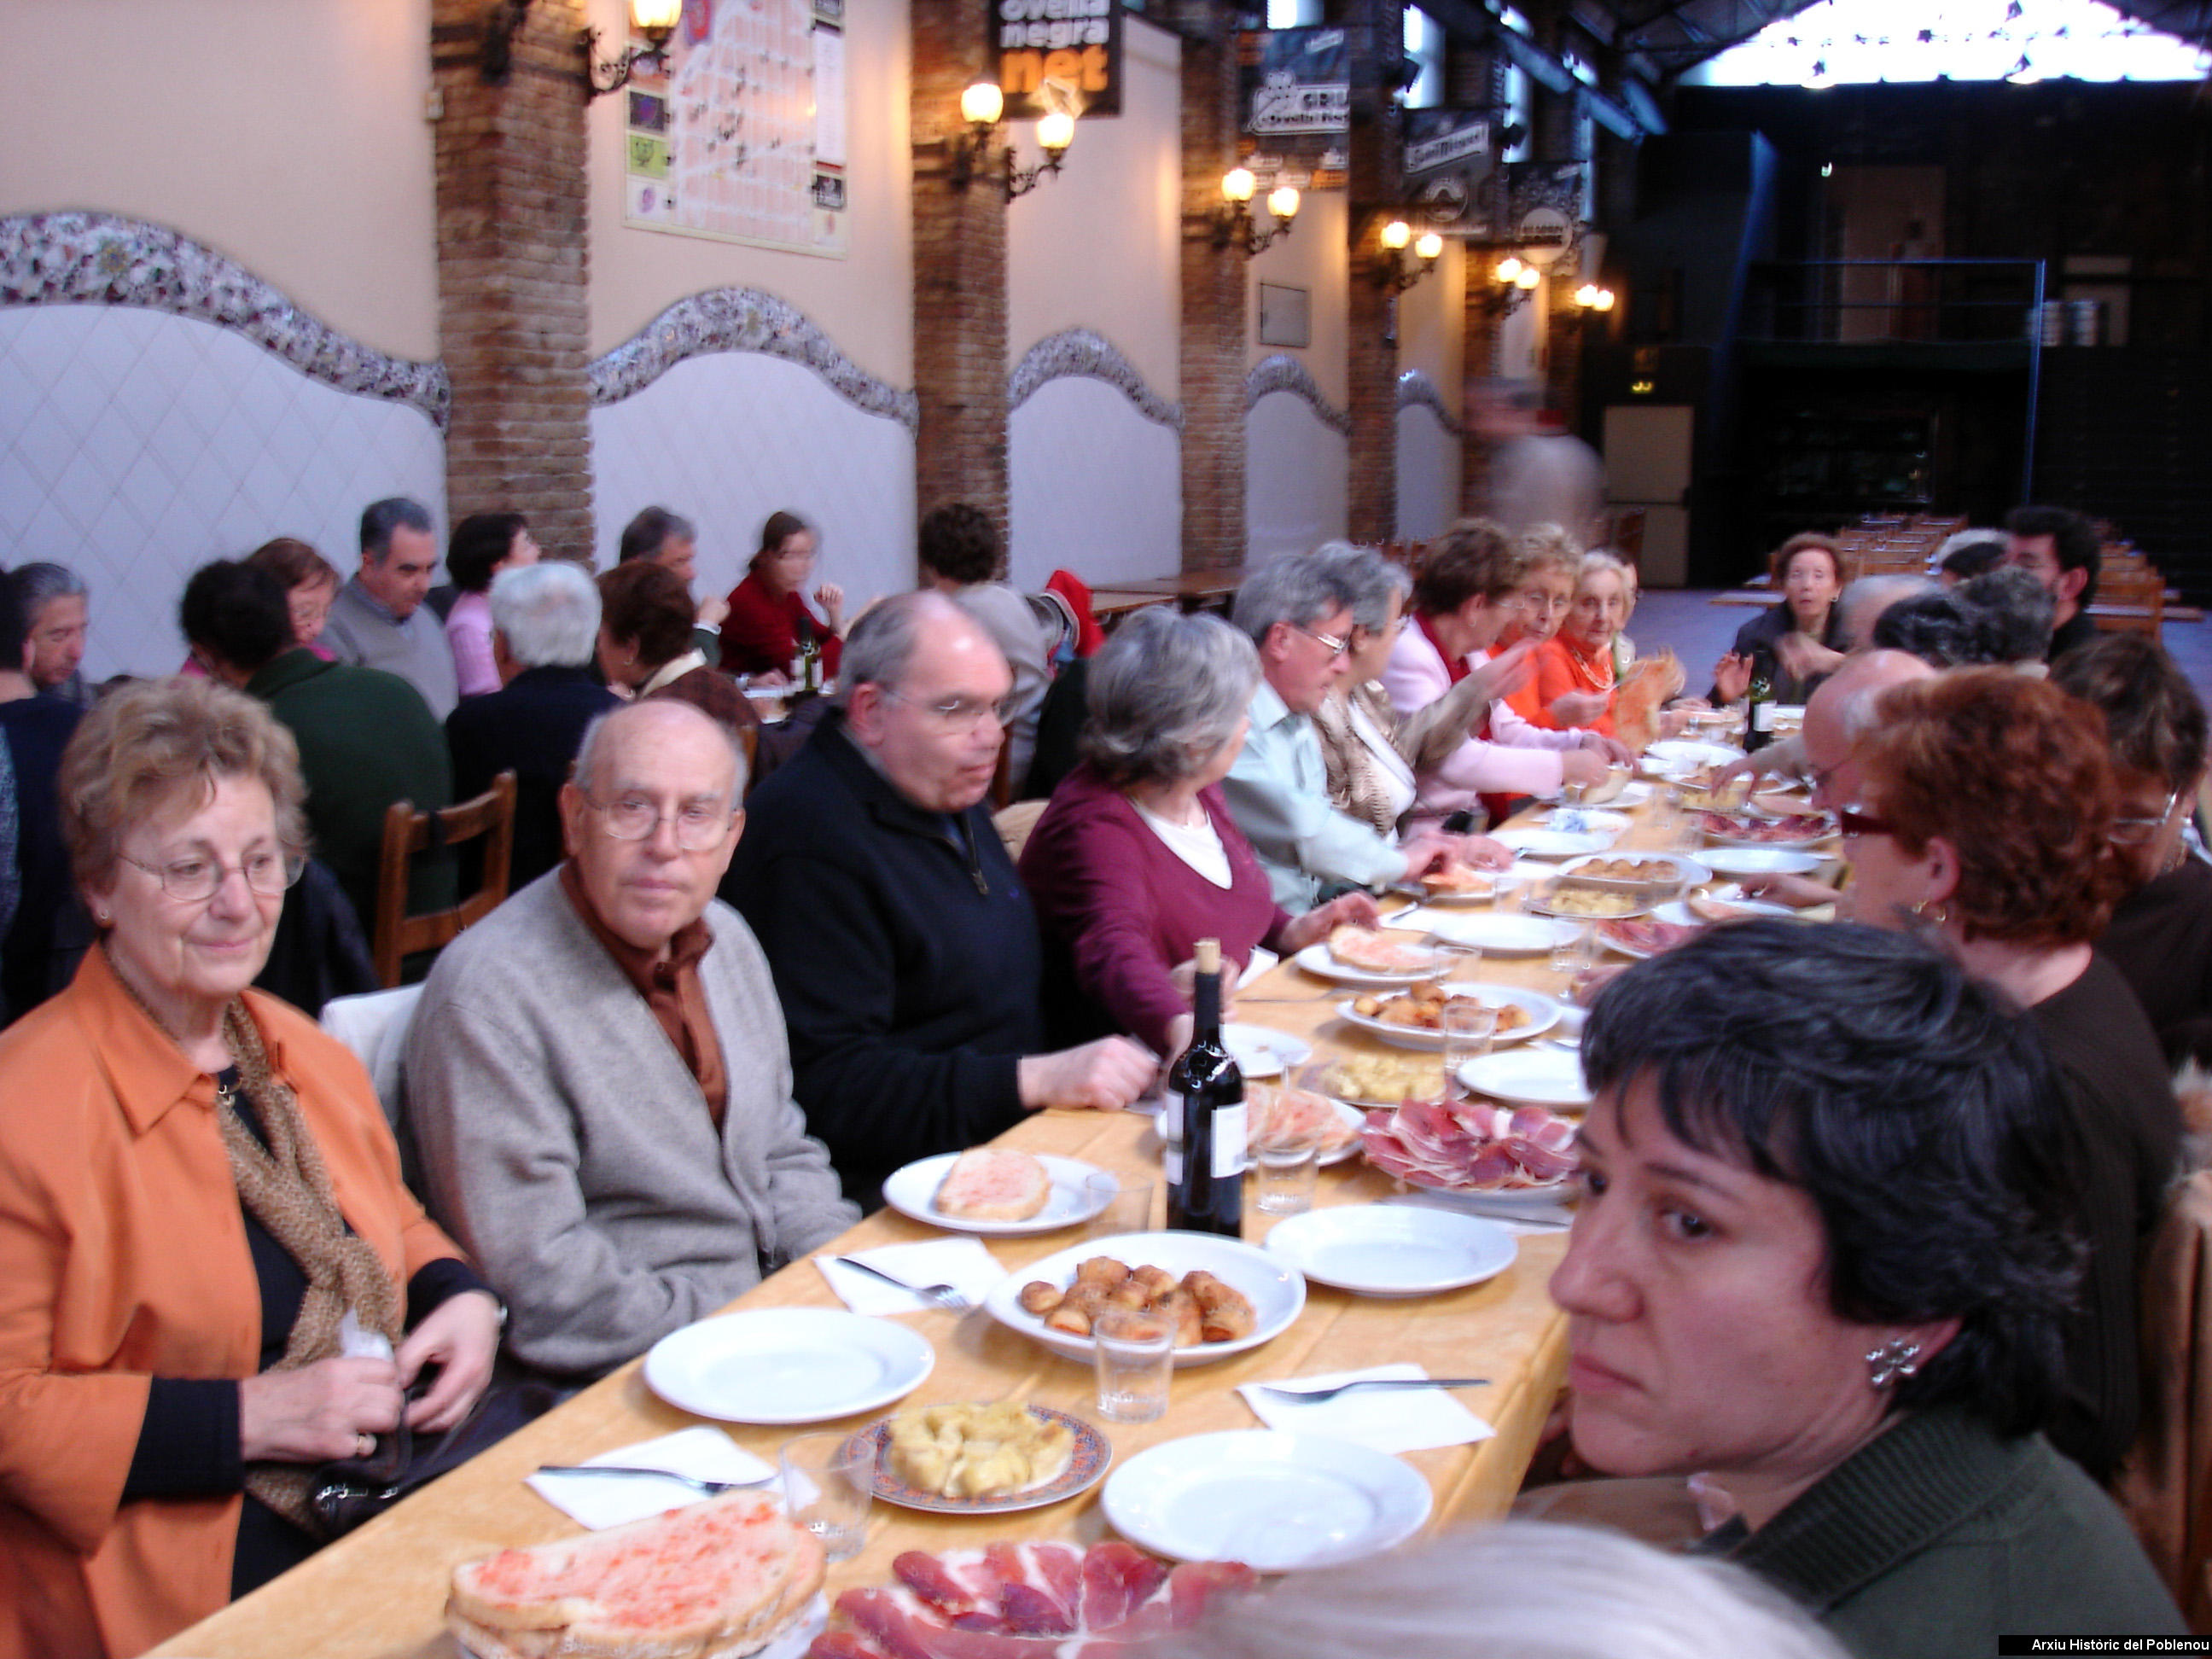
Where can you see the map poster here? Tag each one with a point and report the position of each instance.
(740, 133)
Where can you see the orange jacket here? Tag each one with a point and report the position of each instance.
(123, 1256)
(1561, 669)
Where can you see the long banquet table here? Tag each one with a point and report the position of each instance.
(377, 1594)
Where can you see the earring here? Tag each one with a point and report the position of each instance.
(1891, 1362)
(101, 917)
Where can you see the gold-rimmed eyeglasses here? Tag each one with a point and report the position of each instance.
(194, 879)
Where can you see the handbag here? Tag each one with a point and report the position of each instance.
(353, 1490)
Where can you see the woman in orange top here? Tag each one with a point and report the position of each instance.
(207, 1259)
(1545, 593)
(1577, 660)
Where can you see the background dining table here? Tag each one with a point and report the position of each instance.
(380, 1590)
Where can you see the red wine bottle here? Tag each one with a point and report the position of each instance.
(1206, 1173)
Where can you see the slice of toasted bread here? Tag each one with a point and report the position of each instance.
(716, 1580)
(994, 1183)
(1374, 953)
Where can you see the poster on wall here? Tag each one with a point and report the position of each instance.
(1058, 55)
(1295, 92)
(740, 133)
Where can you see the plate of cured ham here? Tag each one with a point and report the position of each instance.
(1645, 936)
(1473, 1147)
(1799, 829)
(1012, 1600)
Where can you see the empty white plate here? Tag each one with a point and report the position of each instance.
(1262, 1052)
(1392, 1250)
(787, 1365)
(1528, 1077)
(1505, 932)
(1274, 1501)
(1553, 843)
(1759, 861)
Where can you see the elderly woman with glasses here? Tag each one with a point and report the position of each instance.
(1983, 817)
(2160, 934)
(1825, 1250)
(211, 1280)
(1137, 858)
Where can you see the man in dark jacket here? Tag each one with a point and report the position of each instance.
(546, 626)
(904, 950)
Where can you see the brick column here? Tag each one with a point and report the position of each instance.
(512, 271)
(959, 275)
(1474, 78)
(1374, 192)
(1214, 308)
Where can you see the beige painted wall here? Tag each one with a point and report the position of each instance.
(1312, 257)
(864, 301)
(1432, 324)
(287, 134)
(1098, 246)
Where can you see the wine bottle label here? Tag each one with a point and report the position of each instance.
(1762, 716)
(1171, 1165)
(1228, 1141)
(1171, 1117)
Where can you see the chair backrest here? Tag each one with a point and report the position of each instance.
(748, 738)
(1014, 823)
(375, 1027)
(491, 818)
(2164, 1486)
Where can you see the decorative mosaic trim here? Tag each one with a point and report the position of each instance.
(100, 258)
(1080, 351)
(744, 319)
(1417, 390)
(1282, 374)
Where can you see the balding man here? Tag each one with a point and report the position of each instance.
(597, 1078)
(905, 950)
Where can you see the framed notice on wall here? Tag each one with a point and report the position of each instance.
(1285, 315)
(741, 135)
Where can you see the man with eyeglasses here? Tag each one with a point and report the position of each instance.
(905, 951)
(1300, 615)
(597, 1080)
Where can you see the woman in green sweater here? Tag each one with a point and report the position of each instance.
(1822, 1259)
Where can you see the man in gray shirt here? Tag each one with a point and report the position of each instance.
(597, 1077)
(379, 620)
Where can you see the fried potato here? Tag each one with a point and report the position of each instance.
(977, 1451)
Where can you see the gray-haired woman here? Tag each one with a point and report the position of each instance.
(1137, 857)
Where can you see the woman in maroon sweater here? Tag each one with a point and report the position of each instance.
(1137, 858)
(769, 614)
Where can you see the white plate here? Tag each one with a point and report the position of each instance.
(1682, 916)
(1691, 752)
(1316, 960)
(1086, 1468)
(1553, 843)
(1760, 861)
(1543, 1014)
(1528, 1077)
(1726, 838)
(1687, 873)
(787, 1365)
(912, 1191)
(1377, 1250)
(1278, 1295)
(1261, 1052)
(1548, 903)
(1585, 820)
(1506, 932)
(1275, 1501)
(1631, 794)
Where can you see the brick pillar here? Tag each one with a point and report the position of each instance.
(1376, 194)
(512, 272)
(1214, 312)
(1474, 78)
(959, 274)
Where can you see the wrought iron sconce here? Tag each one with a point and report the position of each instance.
(1232, 222)
(655, 19)
(1397, 276)
(1590, 297)
(1513, 282)
(982, 106)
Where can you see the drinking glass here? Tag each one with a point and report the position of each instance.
(1470, 1027)
(828, 1485)
(1284, 1167)
(1458, 962)
(1575, 953)
(1133, 1354)
(1124, 1205)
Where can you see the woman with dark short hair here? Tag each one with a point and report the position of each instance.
(1799, 641)
(1823, 1257)
(1984, 819)
(646, 648)
(483, 545)
(768, 613)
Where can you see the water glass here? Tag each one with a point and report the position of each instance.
(1133, 1353)
(828, 1485)
(1457, 961)
(1575, 953)
(1284, 1167)
(1123, 1204)
(1508, 889)
(1469, 1028)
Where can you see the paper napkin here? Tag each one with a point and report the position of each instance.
(963, 1263)
(599, 1501)
(1388, 1419)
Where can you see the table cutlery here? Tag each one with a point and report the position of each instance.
(1377, 1383)
(712, 1488)
(942, 1296)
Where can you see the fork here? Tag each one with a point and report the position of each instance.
(1377, 1383)
(941, 1296)
(712, 1488)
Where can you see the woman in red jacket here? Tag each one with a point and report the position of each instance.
(768, 615)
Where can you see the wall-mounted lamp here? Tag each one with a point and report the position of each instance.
(655, 19)
(1398, 275)
(982, 108)
(1590, 297)
(1512, 283)
(1232, 221)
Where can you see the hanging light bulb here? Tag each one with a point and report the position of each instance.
(1396, 235)
(1431, 247)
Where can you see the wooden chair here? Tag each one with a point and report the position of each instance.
(748, 745)
(491, 818)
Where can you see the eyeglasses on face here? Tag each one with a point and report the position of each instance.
(956, 713)
(2135, 832)
(1337, 643)
(193, 879)
(700, 824)
(1854, 822)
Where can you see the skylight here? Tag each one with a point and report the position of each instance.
(1837, 41)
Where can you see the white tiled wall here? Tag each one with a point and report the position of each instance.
(135, 446)
(1428, 474)
(728, 438)
(1294, 478)
(1096, 488)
